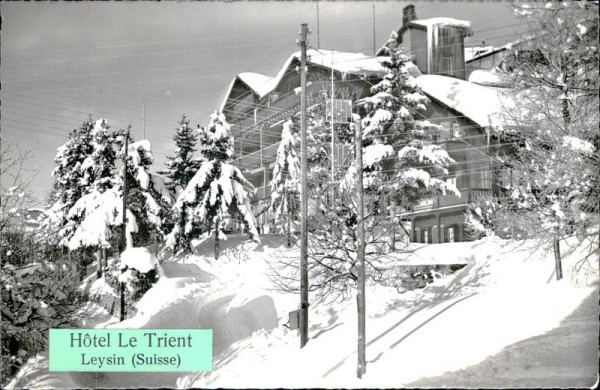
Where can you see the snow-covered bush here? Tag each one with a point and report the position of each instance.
(136, 283)
(494, 215)
(332, 247)
(35, 298)
(137, 269)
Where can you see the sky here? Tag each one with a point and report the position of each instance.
(147, 63)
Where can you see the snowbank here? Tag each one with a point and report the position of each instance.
(506, 295)
(139, 259)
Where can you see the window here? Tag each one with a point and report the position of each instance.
(451, 181)
(482, 179)
(445, 131)
(446, 65)
(456, 130)
(450, 232)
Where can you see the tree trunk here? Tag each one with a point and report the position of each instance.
(558, 263)
(566, 113)
(289, 218)
(99, 263)
(217, 224)
(393, 207)
(289, 234)
(104, 258)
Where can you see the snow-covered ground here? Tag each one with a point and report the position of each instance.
(501, 321)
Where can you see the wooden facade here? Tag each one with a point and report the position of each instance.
(256, 116)
(257, 121)
(475, 173)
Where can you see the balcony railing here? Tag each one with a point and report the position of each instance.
(258, 158)
(466, 196)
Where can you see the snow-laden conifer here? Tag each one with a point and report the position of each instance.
(182, 166)
(397, 156)
(285, 185)
(69, 183)
(98, 213)
(98, 168)
(218, 191)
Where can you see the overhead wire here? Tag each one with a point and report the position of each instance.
(283, 110)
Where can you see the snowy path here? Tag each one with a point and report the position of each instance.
(563, 357)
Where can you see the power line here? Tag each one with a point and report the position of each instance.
(139, 54)
(270, 33)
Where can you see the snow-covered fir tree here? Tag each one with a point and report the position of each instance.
(98, 214)
(182, 166)
(396, 157)
(99, 169)
(147, 196)
(218, 191)
(69, 184)
(285, 185)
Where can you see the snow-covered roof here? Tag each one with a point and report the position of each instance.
(476, 51)
(446, 22)
(481, 104)
(259, 83)
(488, 78)
(344, 62)
(495, 49)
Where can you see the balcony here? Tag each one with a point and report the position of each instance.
(257, 159)
(466, 196)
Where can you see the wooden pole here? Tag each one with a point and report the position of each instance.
(124, 222)
(360, 256)
(332, 127)
(374, 47)
(393, 212)
(303, 196)
(217, 226)
(558, 264)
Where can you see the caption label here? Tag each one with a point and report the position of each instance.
(130, 350)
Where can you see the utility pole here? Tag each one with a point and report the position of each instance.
(318, 28)
(303, 195)
(332, 128)
(374, 47)
(393, 219)
(124, 223)
(360, 257)
(144, 103)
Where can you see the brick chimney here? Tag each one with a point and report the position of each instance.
(408, 15)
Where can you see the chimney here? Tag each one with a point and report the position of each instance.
(408, 15)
